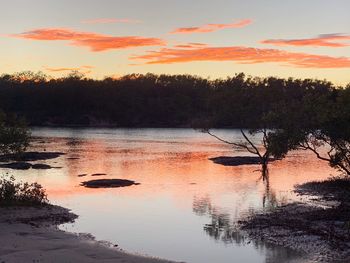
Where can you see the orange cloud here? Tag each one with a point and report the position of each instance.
(109, 21)
(326, 40)
(244, 55)
(85, 68)
(211, 27)
(191, 45)
(95, 42)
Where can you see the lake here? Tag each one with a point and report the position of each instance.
(185, 207)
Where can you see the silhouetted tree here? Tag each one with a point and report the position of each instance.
(14, 135)
(320, 123)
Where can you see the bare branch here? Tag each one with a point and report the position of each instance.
(307, 146)
(239, 145)
(251, 144)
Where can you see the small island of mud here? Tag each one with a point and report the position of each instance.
(237, 160)
(108, 183)
(320, 227)
(98, 174)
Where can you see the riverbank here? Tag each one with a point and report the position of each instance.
(31, 234)
(318, 226)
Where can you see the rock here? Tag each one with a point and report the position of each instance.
(108, 183)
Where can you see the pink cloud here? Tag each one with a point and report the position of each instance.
(211, 27)
(95, 42)
(326, 40)
(243, 55)
(110, 21)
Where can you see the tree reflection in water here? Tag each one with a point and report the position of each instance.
(223, 228)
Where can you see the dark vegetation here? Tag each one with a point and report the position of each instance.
(14, 140)
(14, 135)
(154, 100)
(131, 101)
(14, 193)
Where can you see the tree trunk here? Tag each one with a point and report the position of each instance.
(264, 165)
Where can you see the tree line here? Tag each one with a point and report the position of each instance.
(153, 100)
(288, 113)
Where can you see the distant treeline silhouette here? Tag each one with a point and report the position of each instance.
(157, 100)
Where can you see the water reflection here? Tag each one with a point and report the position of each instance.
(222, 228)
(186, 206)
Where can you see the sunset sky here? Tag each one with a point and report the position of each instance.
(297, 38)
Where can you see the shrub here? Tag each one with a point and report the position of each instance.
(18, 193)
(14, 135)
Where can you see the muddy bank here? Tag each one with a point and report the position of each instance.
(27, 166)
(23, 162)
(335, 189)
(320, 227)
(30, 234)
(30, 156)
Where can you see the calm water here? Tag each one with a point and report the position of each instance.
(185, 207)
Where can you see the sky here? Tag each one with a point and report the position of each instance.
(216, 39)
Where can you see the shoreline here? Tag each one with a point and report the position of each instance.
(318, 227)
(31, 234)
(68, 126)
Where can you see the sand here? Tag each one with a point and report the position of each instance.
(29, 234)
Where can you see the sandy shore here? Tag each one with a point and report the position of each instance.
(30, 234)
